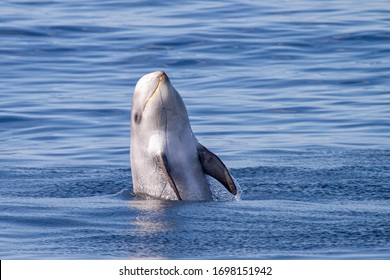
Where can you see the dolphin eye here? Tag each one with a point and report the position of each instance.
(137, 118)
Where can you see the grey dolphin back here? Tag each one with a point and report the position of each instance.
(214, 167)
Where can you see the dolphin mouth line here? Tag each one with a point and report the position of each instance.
(155, 90)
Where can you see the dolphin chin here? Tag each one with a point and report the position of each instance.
(167, 161)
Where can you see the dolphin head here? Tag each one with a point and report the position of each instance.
(157, 105)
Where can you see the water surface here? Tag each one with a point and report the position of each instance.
(292, 95)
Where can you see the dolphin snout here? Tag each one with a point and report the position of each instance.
(162, 77)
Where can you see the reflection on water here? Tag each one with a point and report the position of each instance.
(151, 216)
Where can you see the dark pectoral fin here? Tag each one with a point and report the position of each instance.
(214, 167)
(164, 165)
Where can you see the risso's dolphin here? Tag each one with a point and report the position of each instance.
(167, 162)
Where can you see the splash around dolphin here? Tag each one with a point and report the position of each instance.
(167, 161)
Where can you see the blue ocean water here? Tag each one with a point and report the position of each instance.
(292, 95)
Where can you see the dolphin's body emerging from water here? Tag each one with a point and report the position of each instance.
(167, 162)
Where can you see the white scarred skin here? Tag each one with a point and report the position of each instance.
(160, 127)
